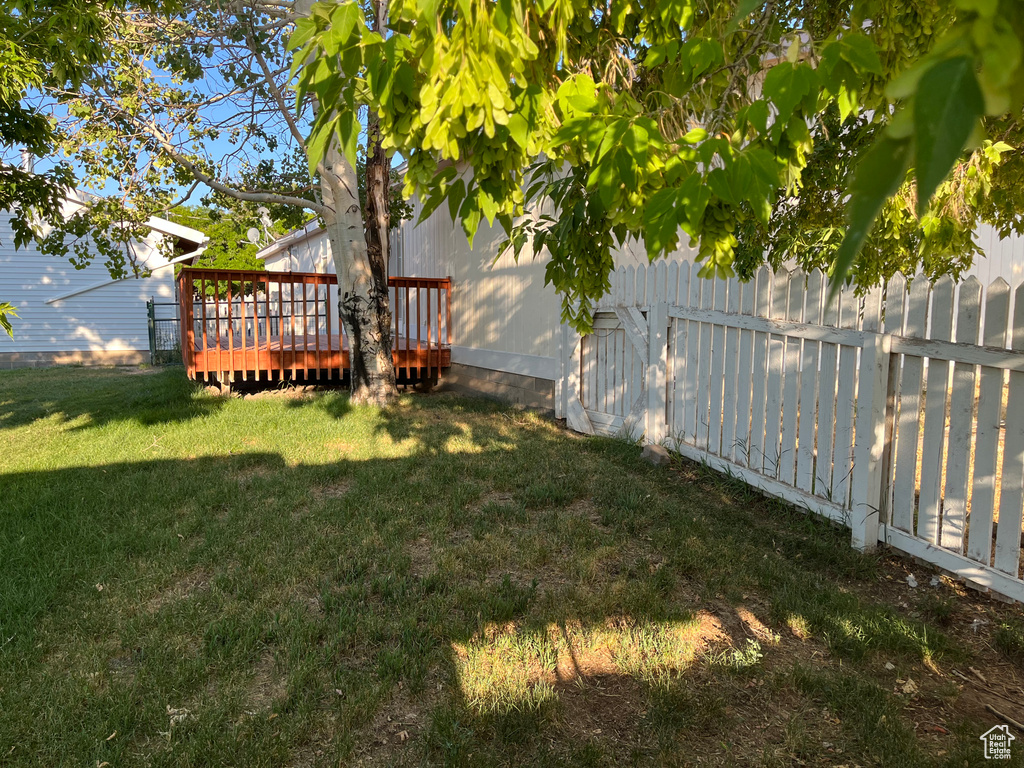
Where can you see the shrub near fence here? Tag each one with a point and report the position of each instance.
(899, 414)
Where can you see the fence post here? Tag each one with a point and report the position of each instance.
(151, 322)
(869, 444)
(657, 372)
(560, 376)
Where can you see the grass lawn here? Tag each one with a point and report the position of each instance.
(283, 580)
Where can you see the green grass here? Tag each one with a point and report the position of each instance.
(188, 581)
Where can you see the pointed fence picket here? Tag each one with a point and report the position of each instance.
(899, 413)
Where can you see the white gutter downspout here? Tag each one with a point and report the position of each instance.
(79, 291)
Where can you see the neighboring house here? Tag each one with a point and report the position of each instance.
(304, 249)
(68, 315)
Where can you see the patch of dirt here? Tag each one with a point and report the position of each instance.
(302, 597)
(267, 687)
(183, 588)
(335, 489)
(247, 475)
(496, 498)
(607, 707)
(299, 392)
(397, 727)
(421, 559)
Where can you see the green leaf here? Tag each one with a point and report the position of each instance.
(316, 146)
(570, 129)
(348, 135)
(456, 194)
(7, 311)
(305, 28)
(787, 85)
(861, 52)
(660, 225)
(694, 196)
(344, 19)
(723, 184)
(878, 176)
(695, 136)
(518, 129)
(743, 9)
(635, 141)
(947, 107)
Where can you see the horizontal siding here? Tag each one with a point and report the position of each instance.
(497, 304)
(110, 318)
(311, 255)
(1003, 258)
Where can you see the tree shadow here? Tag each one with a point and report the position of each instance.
(94, 397)
(495, 595)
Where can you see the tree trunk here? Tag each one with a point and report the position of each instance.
(362, 285)
(378, 174)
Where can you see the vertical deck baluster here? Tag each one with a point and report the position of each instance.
(206, 345)
(291, 320)
(231, 334)
(216, 310)
(419, 323)
(256, 325)
(316, 323)
(408, 336)
(244, 323)
(438, 290)
(330, 338)
(280, 324)
(430, 334)
(270, 337)
(305, 329)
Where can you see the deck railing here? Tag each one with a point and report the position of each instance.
(262, 324)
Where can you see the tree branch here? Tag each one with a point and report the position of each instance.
(219, 186)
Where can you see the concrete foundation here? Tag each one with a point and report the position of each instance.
(527, 391)
(10, 360)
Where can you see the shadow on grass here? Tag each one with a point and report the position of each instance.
(504, 593)
(99, 396)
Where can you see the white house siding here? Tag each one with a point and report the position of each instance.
(1003, 258)
(497, 306)
(104, 325)
(307, 250)
(505, 321)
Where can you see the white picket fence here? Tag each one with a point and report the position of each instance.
(900, 413)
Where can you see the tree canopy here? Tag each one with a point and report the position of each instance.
(43, 44)
(734, 123)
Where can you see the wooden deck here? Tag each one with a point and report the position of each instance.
(242, 325)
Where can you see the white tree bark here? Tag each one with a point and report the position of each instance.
(362, 286)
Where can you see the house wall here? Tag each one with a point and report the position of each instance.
(504, 319)
(310, 254)
(106, 325)
(1003, 258)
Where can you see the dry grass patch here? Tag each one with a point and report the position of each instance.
(336, 489)
(267, 686)
(183, 588)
